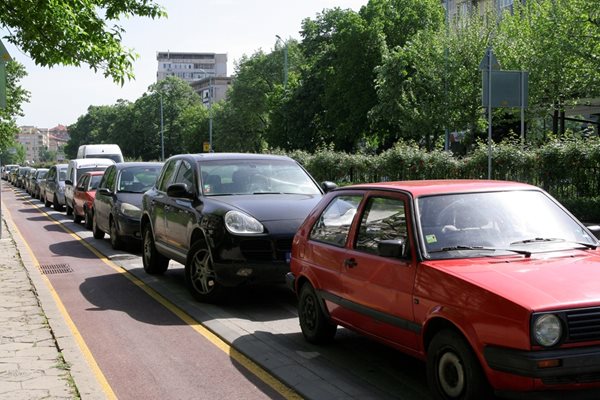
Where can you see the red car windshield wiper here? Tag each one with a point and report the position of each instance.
(458, 248)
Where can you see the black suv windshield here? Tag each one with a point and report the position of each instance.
(227, 177)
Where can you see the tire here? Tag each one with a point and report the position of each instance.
(98, 233)
(76, 218)
(47, 203)
(57, 205)
(115, 240)
(69, 209)
(453, 370)
(88, 218)
(200, 276)
(154, 262)
(315, 325)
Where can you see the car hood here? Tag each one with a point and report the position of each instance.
(543, 282)
(272, 207)
(131, 198)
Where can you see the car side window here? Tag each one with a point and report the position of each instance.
(334, 223)
(383, 219)
(82, 182)
(111, 179)
(166, 175)
(185, 174)
(105, 182)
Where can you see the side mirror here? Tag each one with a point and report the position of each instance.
(104, 192)
(179, 190)
(595, 229)
(328, 186)
(396, 248)
(68, 182)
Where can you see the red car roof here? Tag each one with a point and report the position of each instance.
(429, 187)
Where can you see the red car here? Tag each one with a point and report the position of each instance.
(494, 284)
(83, 196)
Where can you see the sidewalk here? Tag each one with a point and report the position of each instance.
(39, 358)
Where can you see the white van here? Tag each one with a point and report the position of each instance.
(77, 168)
(112, 151)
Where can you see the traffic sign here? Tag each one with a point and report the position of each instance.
(485, 61)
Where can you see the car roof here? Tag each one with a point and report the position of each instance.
(431, 187)
(233, 156)
(129, 164)
(94, 173)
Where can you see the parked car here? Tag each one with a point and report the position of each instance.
(20, 177)
(117, 205)
(230, 218)
(77, 167)
(493, 283)
(7, 169)
(83, 197)
(36, 182)
(54, 191)
(111, 151)
(29, 179)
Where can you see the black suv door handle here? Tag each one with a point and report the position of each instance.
(350, 263)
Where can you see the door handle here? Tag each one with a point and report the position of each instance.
(350, 263)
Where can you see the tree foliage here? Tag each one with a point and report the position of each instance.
(15, 97)
(76, 32)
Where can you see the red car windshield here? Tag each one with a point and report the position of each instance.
(514, 221)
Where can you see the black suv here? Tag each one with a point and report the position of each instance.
(229, 218)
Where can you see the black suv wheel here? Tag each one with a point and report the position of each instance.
(200, 276)
(154, 262)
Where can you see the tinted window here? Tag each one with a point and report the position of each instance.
(255, 176)
(105, 183)
(137, 179)
(383, 219)
(185, 174)
(334, 223)
(167, 175)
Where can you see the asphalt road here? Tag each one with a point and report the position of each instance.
(152, 340)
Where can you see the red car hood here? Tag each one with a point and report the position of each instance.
(544, 281)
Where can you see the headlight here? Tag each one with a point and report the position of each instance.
(130, 210)
(240, 223)
(547, 330)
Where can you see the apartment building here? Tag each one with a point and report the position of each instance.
(36, 140)
(211, 90)
(190, 66)
(458, 8)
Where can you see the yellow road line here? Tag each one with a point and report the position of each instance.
(250, 365)
(77, 336)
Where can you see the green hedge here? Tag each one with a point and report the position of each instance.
(569, 169)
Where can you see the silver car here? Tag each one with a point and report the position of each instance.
(55, 187)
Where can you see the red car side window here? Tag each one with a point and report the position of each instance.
(334, 223)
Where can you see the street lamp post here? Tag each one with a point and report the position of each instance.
(210, 119)
(285, 61)
(162, 130)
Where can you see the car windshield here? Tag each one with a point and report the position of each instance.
(137, 179)
(94, 181)
(235, 177)
(475, 224)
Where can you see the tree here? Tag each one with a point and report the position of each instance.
(15, 96)
(76, 32)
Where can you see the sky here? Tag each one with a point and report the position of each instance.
(60, 95)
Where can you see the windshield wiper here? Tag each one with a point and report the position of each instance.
(458, 248)
(538, 240)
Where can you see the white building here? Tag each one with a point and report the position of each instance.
(190, 66)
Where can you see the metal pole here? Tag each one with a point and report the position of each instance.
(285, 61)
(210, 119)
(162, 130)
(522, 109)
(490, 112)
(446, 130)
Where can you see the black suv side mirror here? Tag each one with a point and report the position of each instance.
(179, 190)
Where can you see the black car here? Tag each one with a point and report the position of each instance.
(229, 218)
(117, 205)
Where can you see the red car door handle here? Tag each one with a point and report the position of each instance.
(350, 263)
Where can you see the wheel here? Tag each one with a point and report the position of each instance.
(69, 209)
(115, 240)
(88, 218)
(47, 203)
(57, 205)
(76, 218)
(453, 371)
(200, 276)
(154, 262)
(315, 325)
(98, 233)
